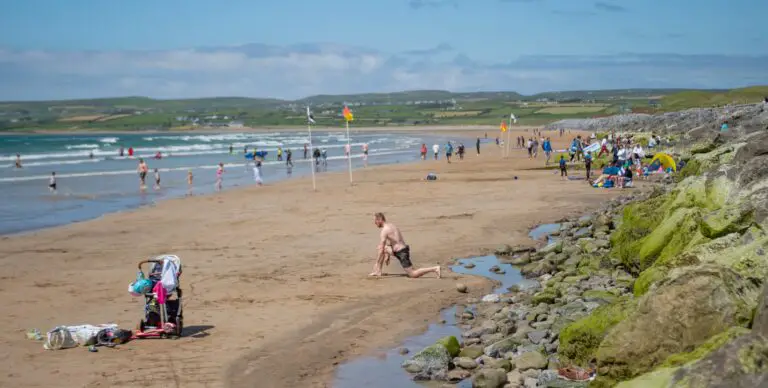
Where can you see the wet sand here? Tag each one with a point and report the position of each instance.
(275, 277)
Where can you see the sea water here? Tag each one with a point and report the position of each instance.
(89, 187)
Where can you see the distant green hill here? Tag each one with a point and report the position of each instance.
(413, 107)
(699, 98)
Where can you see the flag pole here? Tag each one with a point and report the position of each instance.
(311, 160)
(349, 158)
(509, 129)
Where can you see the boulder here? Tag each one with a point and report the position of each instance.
(685, 310)
(465, 363)
(743, 363)
(461, 287)
(517, 259)
(554, 247)
(472, 351)
(599, 296)
(530, 360)
(538, 268)
(537, 336)
(548, 296)
(498, 348)
(490, 378)
(431, 360)
(457, 375)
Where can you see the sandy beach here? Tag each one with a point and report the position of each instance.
(276, 292)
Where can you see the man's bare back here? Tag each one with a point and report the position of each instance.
(390, 235)
(391, 243)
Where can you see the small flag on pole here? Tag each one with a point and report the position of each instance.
(513, 118)
(347, 114)
(310, 117)
(503, 126)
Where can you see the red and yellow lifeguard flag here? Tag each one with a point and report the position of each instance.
(503, 126)
(347, 113)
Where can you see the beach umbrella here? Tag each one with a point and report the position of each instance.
(665, 160)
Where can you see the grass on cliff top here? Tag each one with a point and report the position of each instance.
(696, 98)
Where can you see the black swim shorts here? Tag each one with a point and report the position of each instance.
(142, 175)
(404, 256)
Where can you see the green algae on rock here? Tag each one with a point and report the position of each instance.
(451, 344)
(580, 340)
(712, 344)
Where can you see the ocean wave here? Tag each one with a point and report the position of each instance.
(109, 140)
(82, 146)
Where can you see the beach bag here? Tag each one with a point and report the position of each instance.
(140, 286)
(59, 338)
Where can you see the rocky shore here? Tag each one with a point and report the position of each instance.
(660, 289)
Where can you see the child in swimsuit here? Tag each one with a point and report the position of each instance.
(219, 176)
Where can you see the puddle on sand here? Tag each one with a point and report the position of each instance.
(544, 230)
(482, 266)
(383, 370)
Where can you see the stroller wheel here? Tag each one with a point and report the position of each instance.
(141, 326)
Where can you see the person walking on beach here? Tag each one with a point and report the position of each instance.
(448, 151)
(52, 182)
(157, 179)
(461, 151)
(305, 150)
(279, 154)
(18, 160)
(563, 168)
(423, 151)
(477, 144)
(142, 170)
(588, 164)
(547, 147)
(288, 158)
(365, 154)
(391, 242)
(257, 173)
(219, 176)
(436, 150)
(347, 150)
(122, 151)
(324, 155)
(189, 181)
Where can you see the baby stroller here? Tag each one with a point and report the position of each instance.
(162, 311)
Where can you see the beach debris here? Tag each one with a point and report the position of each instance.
(491, 298)
(431, 177)
(461, 287)
(34, 335)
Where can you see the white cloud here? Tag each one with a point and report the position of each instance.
(257, 70)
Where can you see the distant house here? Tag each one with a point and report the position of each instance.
(236, 124)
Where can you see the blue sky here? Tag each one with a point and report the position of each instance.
(293, 48)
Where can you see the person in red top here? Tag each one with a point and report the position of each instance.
(423, 151)
(130, 151)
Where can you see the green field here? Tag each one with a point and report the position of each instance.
(419, 107)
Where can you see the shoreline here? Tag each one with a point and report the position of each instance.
(245, 276)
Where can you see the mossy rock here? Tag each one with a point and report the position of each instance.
(547, 295)
(599, 296)
(647, 279)
(726, 220)
(670, 238)
(712, 344)
(742, 362)
(451, 344)
(580, 340)
(688, 307)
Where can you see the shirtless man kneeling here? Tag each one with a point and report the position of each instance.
(392, 243)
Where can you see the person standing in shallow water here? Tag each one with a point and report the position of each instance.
(477, 144)
(391, 242)
(219, 176)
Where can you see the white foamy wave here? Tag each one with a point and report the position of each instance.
(203, 167)
(109, 140)
(61, 162)
(82, 146)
